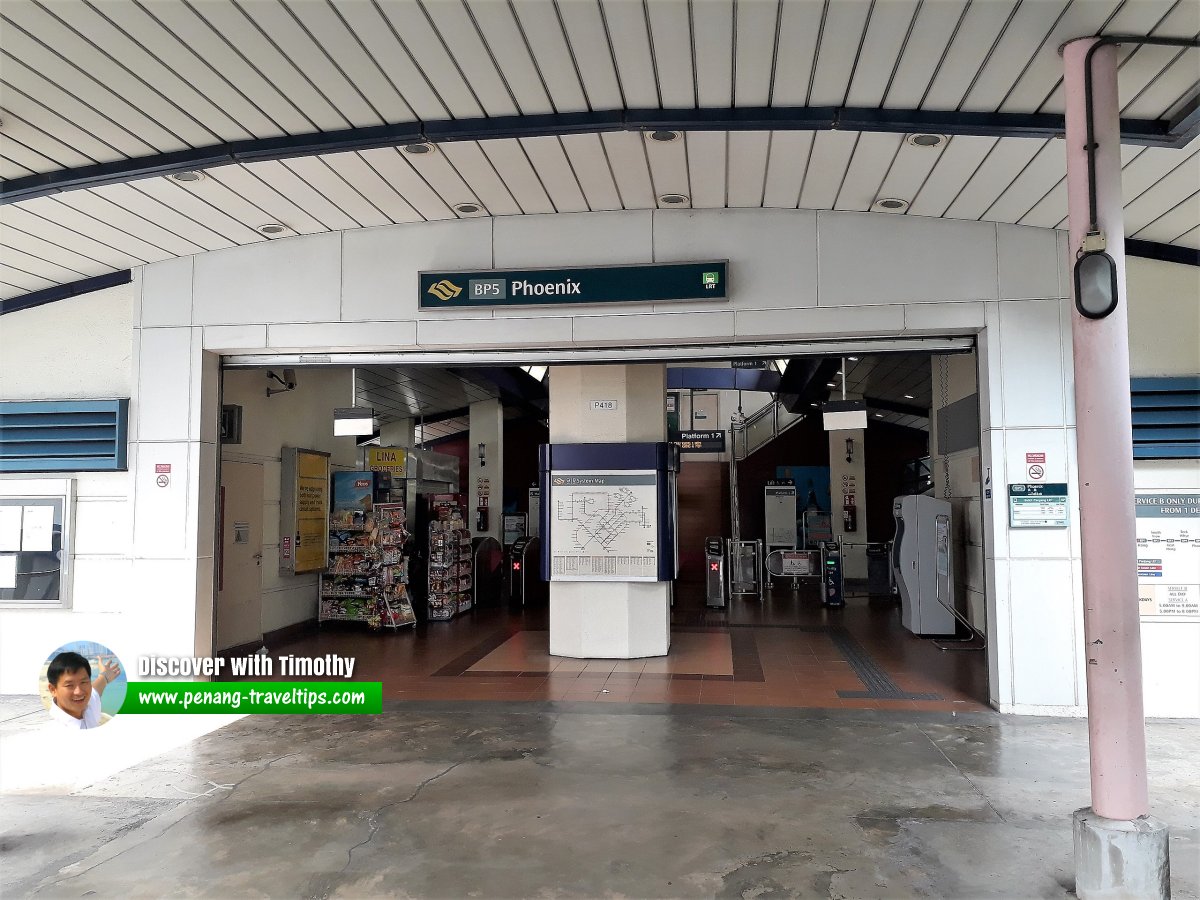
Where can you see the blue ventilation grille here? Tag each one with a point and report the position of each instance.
(1166, 417)
(63, 435)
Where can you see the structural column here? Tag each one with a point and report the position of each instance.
(1119, 851)
(486, 488)
(606, 619)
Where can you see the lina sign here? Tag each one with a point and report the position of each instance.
(593, 284)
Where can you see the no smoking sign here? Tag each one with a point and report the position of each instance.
(1037, 473)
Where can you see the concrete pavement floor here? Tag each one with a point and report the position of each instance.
(592, 800)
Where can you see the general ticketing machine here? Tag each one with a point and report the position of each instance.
(921, 556)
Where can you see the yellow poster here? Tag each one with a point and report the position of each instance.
(312, 511)
(387, 459)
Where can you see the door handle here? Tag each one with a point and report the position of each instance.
(258, 556)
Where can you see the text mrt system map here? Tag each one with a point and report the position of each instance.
(605, 526)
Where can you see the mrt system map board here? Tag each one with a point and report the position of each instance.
(1168, 551)
(604, 527)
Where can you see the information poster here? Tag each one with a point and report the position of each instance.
(1038, 505)
(312, 511)
(604, 526)
(1168, 551)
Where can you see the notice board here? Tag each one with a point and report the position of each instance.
(604, 526)
(304, 511)
(1168, 555)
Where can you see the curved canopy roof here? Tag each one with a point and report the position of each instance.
(297, 113)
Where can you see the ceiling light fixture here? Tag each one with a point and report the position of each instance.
(188, 177)
(673, 199)
(663, 136)
(271, 229)
(418, 149)
(353, 421)
(467, 209)
(890, 204)
(832, 384)
(852, 358)
(927, 140)
(909, 397)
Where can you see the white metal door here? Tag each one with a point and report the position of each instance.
(239, 584)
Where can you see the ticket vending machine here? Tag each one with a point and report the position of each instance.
(921, 555)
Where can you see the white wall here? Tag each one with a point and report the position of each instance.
(81, 348)
(1164, 339)
(299, 418)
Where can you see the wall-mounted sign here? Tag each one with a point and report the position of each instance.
(304, 510)
(603, 405)
(699, 441)
(392, 460)
(748, 364)
(590, 284)
(1168, 550)
(1038, 505)
(604, 526)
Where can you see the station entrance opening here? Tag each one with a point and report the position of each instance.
(826, 511)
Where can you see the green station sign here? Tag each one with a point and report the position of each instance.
(591, 284)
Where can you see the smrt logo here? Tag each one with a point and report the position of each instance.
(445, 289)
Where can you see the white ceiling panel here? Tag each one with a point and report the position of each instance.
(1027, 189)
(288, 184)
(554, 170)
(472, 164)
(247, 184)
(457, 32)
(1026, 37)
(40, 268)
(192, 207)
(748, 167)
(707, 153)
(186, 62)
(318, 174)
(11, 169)
(909, 170)
(396, 169)
(1007, 159)
(99, 80)
(670, 35)
(1177, 187)
(1189, 239)
(107, 228)
(799, 31)
(20, 239)
(244, 34)
(952, 170)
(1172, 223)
(361, 176)
(543, 31)
(512, 164)
(872, 158)
(346, 71)
(104, 205)
(827, 166)
(668, 167)
(785, 168)
(627, 161)
(229, 64)
(20, 138)
(506, 42)
(22, 281)
(712, 32)
(1163, 93)
(967, 53)
(888, 29)
(755, 51)
(584, 28)
(590, 161)
(837, 56)
(625, 24)
(52, 231)
(443, 178)
(934, 25)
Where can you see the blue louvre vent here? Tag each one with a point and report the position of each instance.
(1166, 417)
(63, 435)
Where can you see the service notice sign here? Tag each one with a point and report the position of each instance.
(1168, 550)
(604, 526)
(1038, 506)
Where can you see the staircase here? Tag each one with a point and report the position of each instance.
(761, 428)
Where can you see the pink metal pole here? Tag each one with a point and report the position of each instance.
(1104, 432)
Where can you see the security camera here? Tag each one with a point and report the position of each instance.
(288, 381)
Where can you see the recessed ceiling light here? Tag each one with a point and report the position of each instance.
(830, 384)
(663, 136)
(271, 229)
(418, 149)
(927, 140)
(879, 415)
(852, 358)
(468, 209)
(890, 204)
(188, 176)
(673, 199)
(909, 397)
(814, 404)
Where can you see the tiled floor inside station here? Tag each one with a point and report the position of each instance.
(785, 650)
